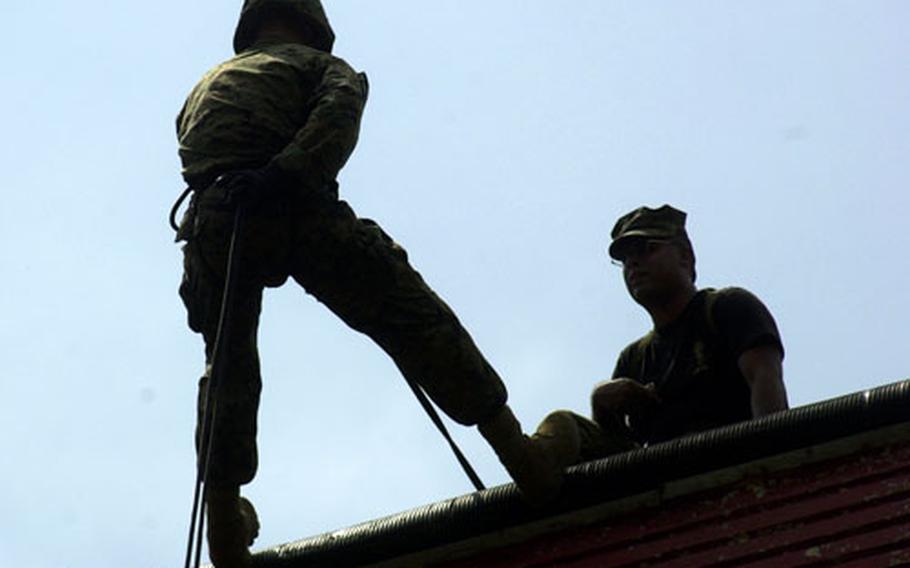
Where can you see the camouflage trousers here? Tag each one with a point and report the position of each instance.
(353, 267)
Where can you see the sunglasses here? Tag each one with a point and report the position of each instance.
(638, 247)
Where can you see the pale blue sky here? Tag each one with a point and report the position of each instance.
(501, 141)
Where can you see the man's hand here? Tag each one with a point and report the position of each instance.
(250, 187)
(617, 398)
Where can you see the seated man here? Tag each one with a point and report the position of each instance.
(713, 357)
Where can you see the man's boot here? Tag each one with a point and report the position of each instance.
(559, 437)
(536, 473)
(232, 527)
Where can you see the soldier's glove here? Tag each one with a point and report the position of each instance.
(249, 188)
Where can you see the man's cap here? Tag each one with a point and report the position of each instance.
(665, 223)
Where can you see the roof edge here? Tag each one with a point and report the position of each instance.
(594, 484)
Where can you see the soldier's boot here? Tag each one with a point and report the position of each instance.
(560, 438)
(529, 462)
(232, 527)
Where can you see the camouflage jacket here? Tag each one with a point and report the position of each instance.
(287, 103)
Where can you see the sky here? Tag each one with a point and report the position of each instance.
(500, 143)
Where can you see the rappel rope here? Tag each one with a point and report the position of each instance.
(219, 356)
(434, 417)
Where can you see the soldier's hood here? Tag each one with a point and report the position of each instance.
(309, 10)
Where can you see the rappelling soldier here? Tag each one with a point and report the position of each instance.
(268, 131)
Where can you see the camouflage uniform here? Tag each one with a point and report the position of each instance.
(299, 108)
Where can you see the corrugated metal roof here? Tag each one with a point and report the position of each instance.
(619, 485)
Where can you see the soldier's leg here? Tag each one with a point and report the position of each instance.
(234, 457)
(232, 522)
(353, 267)
(364, 277)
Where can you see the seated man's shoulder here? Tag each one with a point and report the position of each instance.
(735, 299)
(743, 319)
(733, 294)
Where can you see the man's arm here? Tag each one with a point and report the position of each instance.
(322, 146)
(763, 370)
(748, 328)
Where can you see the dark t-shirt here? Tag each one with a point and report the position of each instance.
(693, 362)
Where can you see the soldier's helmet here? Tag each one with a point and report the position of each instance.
(309, 11)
